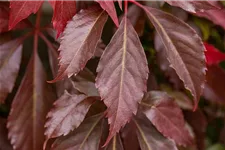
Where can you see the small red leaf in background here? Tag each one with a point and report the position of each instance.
(20, 10)
(69, 111)
(167, 117)
(4, 19)
(79, 41)
(108, 5)
(213, 55)
(10, 59)
(122, 76)
(63, 12)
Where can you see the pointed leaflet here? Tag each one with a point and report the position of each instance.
(115, 143)
(165, 114)
(149, 138)
(10, 59)
(68, 112)
(4, 19)
(193, 6)
(4, 142)
(86, 137)
(20, 10)
(213, 55)
(63, 12)
(108, 6)
(184, 48)
(79, 41)
(29, 108)
(122, 75)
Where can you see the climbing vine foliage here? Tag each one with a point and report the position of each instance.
(88, 82)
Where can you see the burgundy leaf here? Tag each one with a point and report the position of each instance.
(120, 2)
(216, 16)
(215, 84)
(68, 113)
(165, 114)
(213, 55)
(10, 59)
(79, 41)
(184, 48)
(149, 138)
(122, 76)
(29, 108)
(115, 143)
(108, 6)
(4, 142)
(63, 12)
(198, 122)
(86, 137)
(20, 10)
(99, 49)
(193, 6)
(4, 19)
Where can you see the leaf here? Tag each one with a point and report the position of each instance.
(216, 16)
(79, 41)
(149, 138)
(4, 19)
(184, 48)
(20, 10)
(193, 6)
(99, 49)
(165, 114)
(120, 4)
(122, 76)
(29, 108)
(63, 12)
(213, 55)
(4, 142)
(115, 143)
(85, 137)
(68, 113)
(108, 6)
(198, 122)
(215, 84)
(10, 59)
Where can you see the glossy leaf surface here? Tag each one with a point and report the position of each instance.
(122, 75)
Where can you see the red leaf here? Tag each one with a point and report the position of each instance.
(29, 108)
(108, 5)
(63, 12)
(149, 138)
(184, 49)
(68, 113)
(122, 76)
(165, 114)
(115, 143)
(4, 142)
(213, 55)
(10, 59)
(20, 10)
(193, 6)
(79, 41)
(86, 137)
(4, 19)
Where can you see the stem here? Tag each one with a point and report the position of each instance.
(48, 43)
(125, 7)
(36, 31)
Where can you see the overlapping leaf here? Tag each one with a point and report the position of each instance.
(86, 137)
(79, 41)
(184, 48)
(165, 114)
(149, 138)
(68, 113)
(4, 142)
(115, 143)
(193, 6)
(108, 6)
(213, 55)
(10, 59)
(29, 108)
(63, 12)
(122, 75)
(20, 10)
